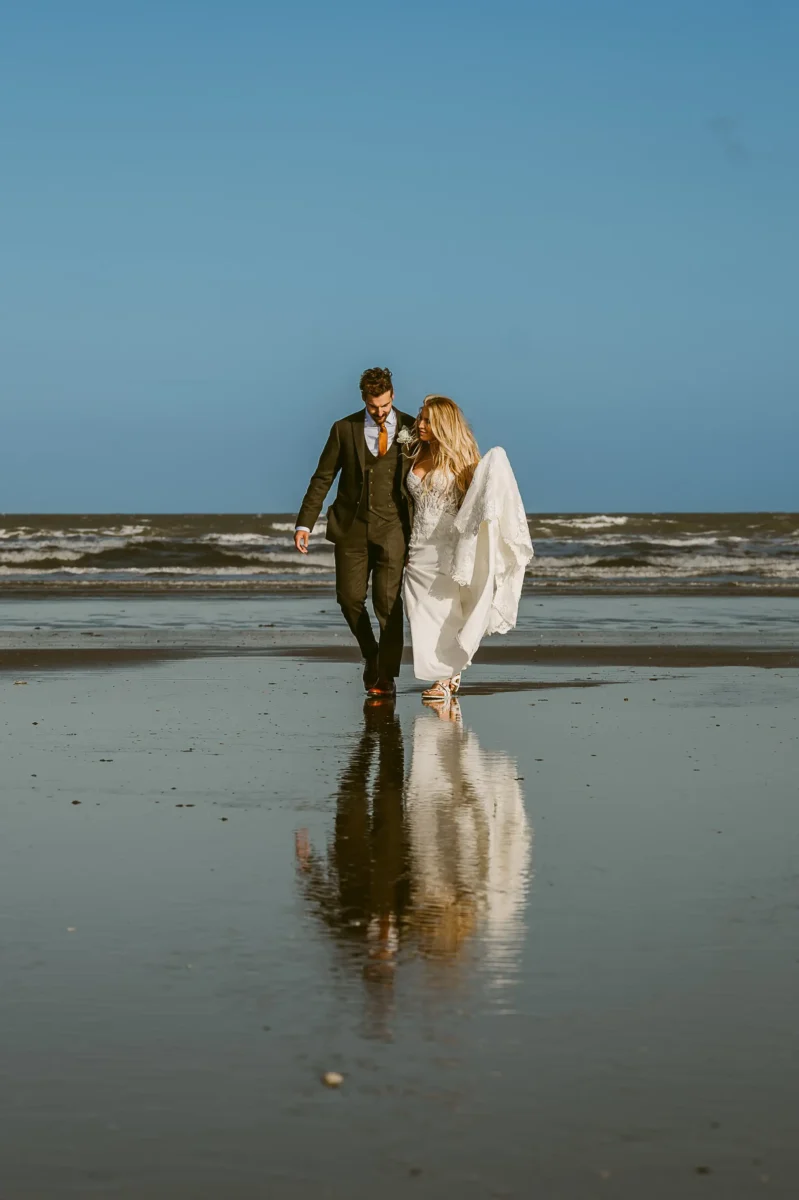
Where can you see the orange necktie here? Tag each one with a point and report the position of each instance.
(382, 440)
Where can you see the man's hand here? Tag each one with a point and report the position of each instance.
(301, 540)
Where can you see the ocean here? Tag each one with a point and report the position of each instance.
(655, 553)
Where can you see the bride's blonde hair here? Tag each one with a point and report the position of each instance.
(454, 447)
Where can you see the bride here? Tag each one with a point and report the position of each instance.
(468, 550)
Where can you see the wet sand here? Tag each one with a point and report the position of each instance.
(551, 953)
(26, 660)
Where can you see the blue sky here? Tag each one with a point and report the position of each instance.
(577, 217)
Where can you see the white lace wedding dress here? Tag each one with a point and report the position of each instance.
(432, 597)
(466, 564)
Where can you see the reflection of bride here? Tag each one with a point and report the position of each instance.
(429, 865)
(470, 842)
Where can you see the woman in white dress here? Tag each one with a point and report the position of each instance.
(468, 550)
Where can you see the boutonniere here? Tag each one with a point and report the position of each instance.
(404, 437)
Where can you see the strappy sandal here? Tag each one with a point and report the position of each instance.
(440, 692)
(444, 689)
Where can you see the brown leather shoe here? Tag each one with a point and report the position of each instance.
(383, 687)
(371, 674)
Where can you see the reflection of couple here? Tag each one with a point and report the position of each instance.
(429, 861)
(416, 492)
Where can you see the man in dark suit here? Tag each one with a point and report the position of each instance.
(369, 523)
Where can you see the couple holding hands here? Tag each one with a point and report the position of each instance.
(431, 523)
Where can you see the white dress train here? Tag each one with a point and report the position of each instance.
(466, 564)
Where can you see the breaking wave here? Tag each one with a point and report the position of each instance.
(579, 551)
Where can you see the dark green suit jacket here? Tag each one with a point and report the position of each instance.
(346, 452)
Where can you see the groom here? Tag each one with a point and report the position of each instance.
(369, 523)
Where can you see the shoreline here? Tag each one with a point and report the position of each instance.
(325, 590)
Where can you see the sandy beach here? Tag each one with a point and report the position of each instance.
(549, 952)
(479, 313)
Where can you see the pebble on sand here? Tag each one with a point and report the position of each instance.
(332, 1079)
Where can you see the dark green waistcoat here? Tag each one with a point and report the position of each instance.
(381, 498)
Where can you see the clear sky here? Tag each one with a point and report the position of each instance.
(576, 217)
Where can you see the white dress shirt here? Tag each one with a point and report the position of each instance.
(371, 431)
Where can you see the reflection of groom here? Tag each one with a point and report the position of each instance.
(362, 890)
(369, 523)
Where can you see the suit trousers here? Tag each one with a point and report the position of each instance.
(376, 549)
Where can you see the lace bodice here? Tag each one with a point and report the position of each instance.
(436, 500)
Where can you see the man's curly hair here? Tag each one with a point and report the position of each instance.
(375, 382)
